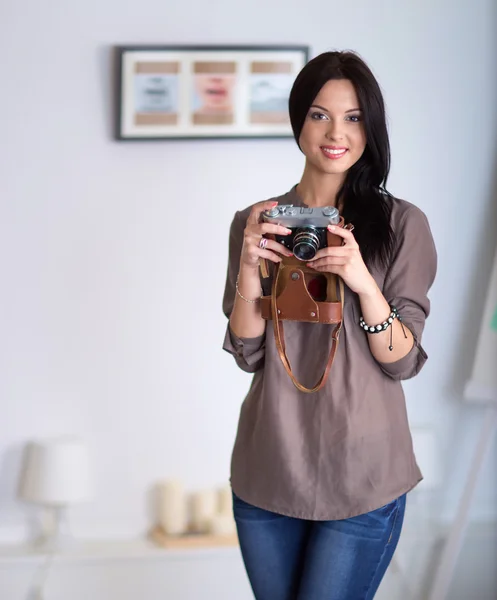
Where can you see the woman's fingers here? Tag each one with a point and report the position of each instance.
(346, 234)
(329, 261)
(332, 251)
(277, 247)
(258, 209)
(255, 232)
(272, 256)
(269, 244)
(264, 228)
(254, 253)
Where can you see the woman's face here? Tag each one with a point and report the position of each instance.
(333, 136)
(215, 91)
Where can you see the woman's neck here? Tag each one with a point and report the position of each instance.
(319, 189)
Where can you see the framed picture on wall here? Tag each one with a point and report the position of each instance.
(195, 92)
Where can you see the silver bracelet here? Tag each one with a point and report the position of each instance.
(242, 296)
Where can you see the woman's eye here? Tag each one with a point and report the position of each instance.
(354, 118)
(318, 116)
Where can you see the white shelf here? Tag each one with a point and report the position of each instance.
(144, 549)
(100, 550)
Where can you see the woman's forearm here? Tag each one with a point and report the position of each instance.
(245, 319)
(375, 310)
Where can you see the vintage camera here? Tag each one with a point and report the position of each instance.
(308, 225)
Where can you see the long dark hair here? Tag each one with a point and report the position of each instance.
(363, 197)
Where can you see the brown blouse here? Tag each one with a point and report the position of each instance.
(347, 449)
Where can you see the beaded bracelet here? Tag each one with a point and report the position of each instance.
(243, 297)
(385, 325)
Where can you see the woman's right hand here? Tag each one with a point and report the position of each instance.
(255, 231)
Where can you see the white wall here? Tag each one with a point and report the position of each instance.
(108, 331)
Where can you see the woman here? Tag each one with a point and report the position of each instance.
(320, 480)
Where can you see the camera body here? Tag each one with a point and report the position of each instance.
(308, 225)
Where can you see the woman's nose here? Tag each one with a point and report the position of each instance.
(334, 131)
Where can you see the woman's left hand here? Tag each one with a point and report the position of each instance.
(345, 261)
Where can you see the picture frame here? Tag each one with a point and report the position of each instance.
(205, 92)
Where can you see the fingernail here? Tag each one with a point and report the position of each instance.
(331, 227)
(274, 204)
(288, 230)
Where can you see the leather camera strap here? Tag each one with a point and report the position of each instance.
(280, 340)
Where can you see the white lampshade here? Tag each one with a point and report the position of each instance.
(56, 472)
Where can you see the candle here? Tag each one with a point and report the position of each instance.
(225, 501)
(204, 507)
(172, 507)
(222, 525)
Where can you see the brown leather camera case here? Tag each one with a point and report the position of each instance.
(291, 300)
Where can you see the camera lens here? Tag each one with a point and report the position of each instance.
(305, 243)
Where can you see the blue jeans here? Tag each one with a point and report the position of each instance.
(295, 559)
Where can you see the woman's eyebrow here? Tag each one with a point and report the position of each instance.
(320, 107)
(326, 110)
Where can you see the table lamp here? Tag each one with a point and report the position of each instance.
(56, 474)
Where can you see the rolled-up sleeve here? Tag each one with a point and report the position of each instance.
(408, 280)
(248, 352)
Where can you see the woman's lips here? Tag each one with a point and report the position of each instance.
(333, 153)
(219, 92)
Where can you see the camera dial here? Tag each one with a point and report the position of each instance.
(273, 212)
(330, 211)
